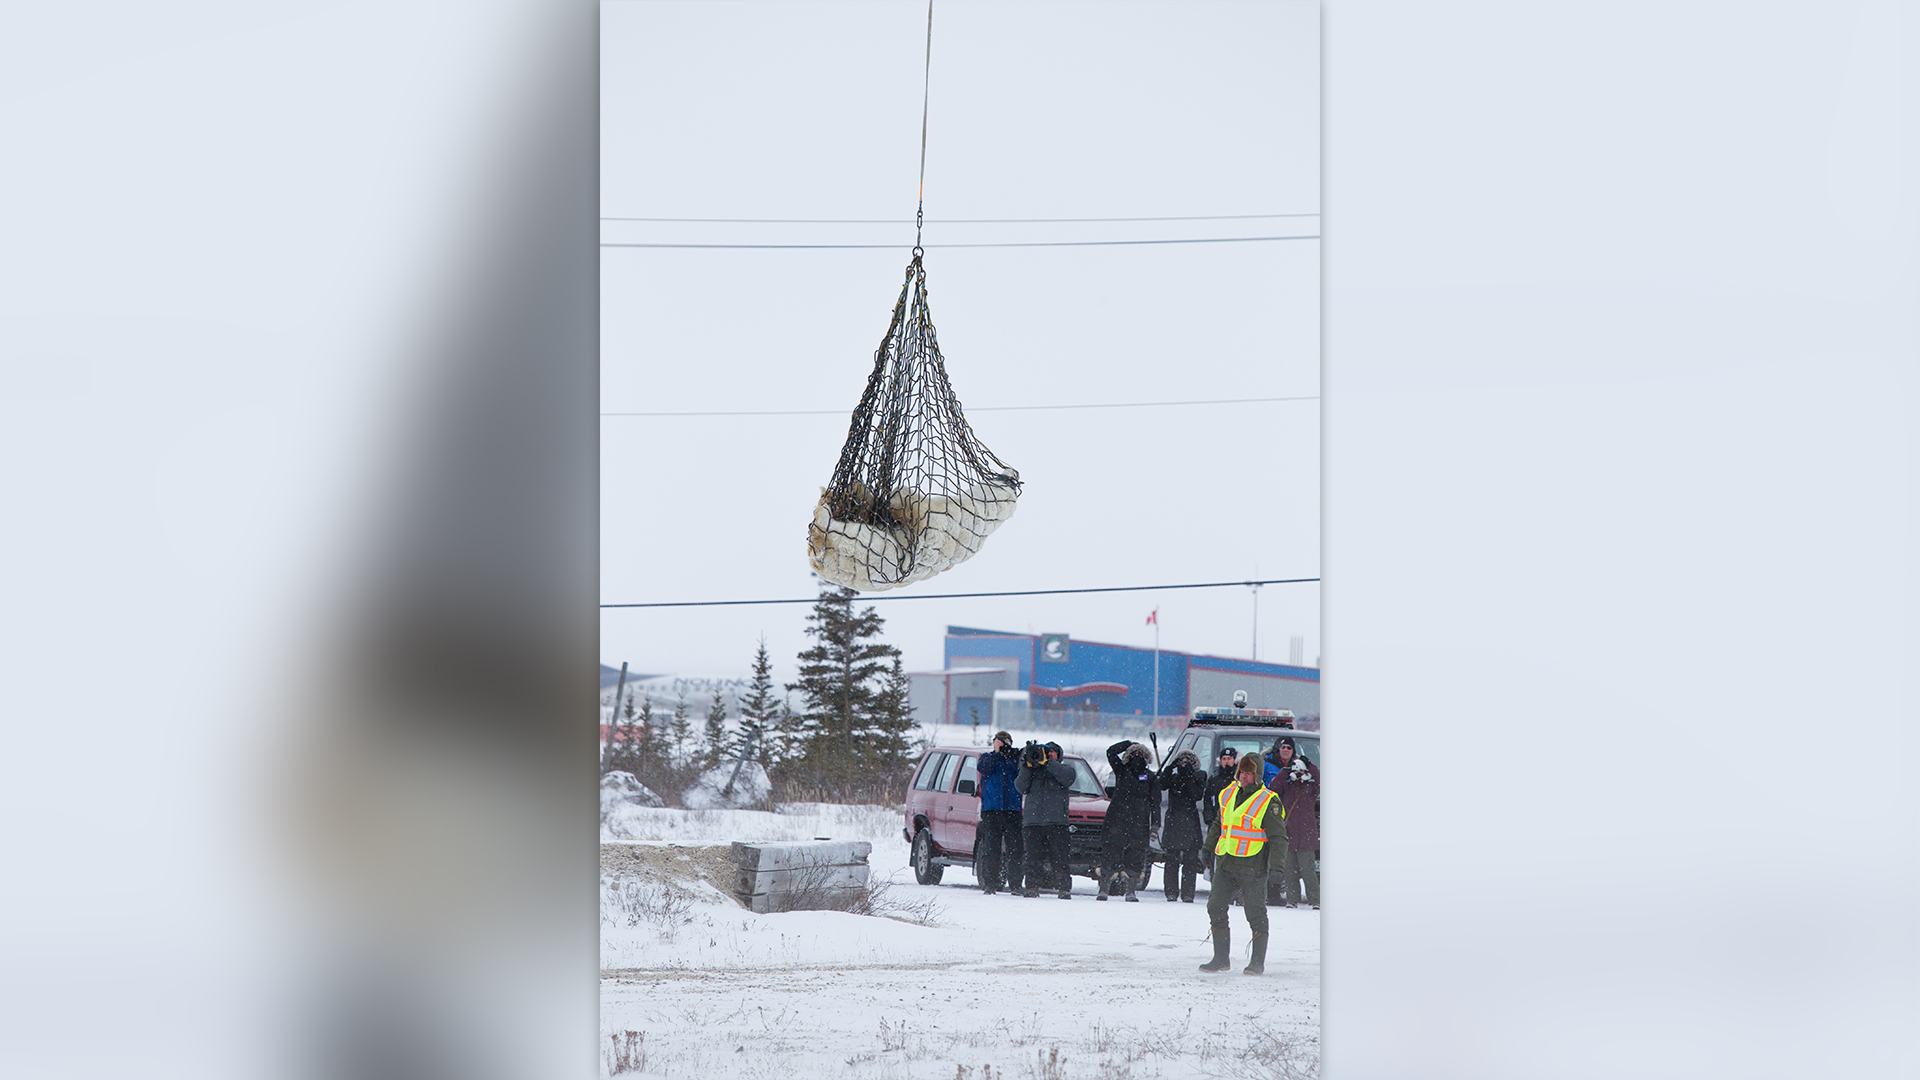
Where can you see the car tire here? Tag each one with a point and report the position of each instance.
(924, 870)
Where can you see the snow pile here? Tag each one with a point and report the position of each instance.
(621, 793)
(741, 785)
(623, 788)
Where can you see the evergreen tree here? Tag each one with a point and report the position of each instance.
(758, 710)
(680, 733)
(650, 755)
(893, 726)
(789, 735)
(715, 746)
(853, 740)
(623, 740)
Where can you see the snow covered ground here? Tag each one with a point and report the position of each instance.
(945, 983)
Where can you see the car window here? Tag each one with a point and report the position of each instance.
(951, 766)
(1084, 780)
(1309, 749)
(928, 771)
(1242, 745)
(969, 770)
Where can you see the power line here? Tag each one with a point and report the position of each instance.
(970, 595)
(955, 221)
(986, 408)
(1044, 243)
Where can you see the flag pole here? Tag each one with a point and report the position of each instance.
(1156, 665)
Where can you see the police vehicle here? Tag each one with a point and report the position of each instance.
(1244, 731)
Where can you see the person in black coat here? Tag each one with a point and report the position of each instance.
(1130, 814)
(1181, 836)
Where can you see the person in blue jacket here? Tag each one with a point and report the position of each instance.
(1002, 855)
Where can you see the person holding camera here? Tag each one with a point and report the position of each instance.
(1180, 837)
(1297, 782)
(1130, 812)
(1249, 814)
(1001, 849)
(1043, 783)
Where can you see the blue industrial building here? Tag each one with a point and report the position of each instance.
(1063, 683)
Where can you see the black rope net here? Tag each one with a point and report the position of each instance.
(915, 491)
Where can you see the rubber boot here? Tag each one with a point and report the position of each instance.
(1131, 899)
(1222, 944)
(1258, 966)
(1102, 894)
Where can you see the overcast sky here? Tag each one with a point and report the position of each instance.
(1038, 110)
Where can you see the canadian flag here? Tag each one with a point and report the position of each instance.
(1153, 617)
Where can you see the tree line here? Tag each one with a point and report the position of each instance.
(841, 732)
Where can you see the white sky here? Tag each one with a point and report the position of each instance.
(1037, 110)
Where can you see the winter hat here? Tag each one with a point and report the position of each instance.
(1003, 737)
(1288, 743)
(1139, 750)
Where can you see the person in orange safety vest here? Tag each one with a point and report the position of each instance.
(1249, 813)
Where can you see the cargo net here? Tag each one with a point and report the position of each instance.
(915, 492)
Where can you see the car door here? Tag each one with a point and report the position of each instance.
(943, 806)
(921, 796)
(964, 818)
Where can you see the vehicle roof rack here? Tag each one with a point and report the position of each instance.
(1210, 715)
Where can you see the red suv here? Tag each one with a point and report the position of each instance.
(943, 813)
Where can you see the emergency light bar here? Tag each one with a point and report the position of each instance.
(1250, 717)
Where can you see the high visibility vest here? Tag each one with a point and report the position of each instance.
(1240, 831)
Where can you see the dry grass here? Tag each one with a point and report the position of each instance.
(626, 1052)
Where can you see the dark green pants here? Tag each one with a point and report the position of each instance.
(1249, 875)
(1295, 867)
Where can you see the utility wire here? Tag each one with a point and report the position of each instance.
(970, 595)
(986, 408)
(1047, 243)
(954, 221)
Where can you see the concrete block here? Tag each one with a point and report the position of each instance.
(787, 854)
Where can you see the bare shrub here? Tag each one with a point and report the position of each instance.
(1277, 1057)
(626, 1052)
(634, 903)
(1047, 1065)
(885, 899)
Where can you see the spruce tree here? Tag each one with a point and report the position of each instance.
(650, 762)
(758, 710)
(680, 733)
(714, 744)
(844, 690)
(789, 735)
(623, 742)
(893, 725)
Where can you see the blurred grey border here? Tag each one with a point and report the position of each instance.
(469, 656)
(443, 784)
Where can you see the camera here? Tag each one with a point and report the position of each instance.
(1033, 754)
